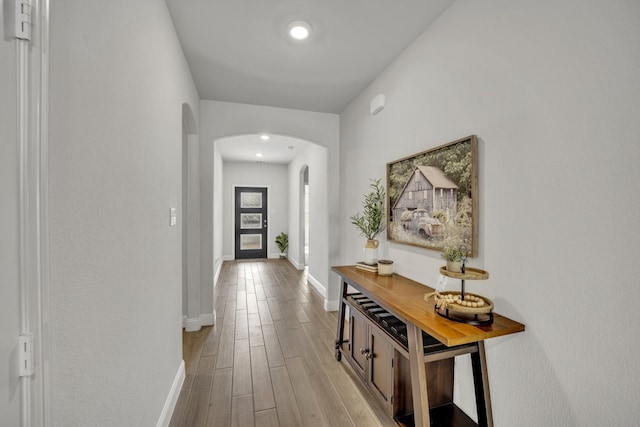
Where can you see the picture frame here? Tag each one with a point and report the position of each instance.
(432, 197)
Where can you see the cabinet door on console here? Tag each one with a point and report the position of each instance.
(358, 337)
(381, 369)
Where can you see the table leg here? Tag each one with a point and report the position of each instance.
(418, 376)
(341, 310)
(481, 382)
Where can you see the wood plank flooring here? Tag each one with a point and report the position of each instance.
(269, 359)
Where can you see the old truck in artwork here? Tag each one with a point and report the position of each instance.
(420, 222)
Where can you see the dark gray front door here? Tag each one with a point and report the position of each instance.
(251, 222)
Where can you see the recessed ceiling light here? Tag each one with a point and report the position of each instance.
(264, 137)
(259, 154)
(299, 30)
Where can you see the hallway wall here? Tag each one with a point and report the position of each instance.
(315, 157)
(117, 88)
(552, 91)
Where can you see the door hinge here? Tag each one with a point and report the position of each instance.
(25, 343)
(20, 26)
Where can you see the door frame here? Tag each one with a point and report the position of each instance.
(32, 81)
(233, 214)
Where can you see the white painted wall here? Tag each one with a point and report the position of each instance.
(118, 82)
(9, 290)
(315, 157)
(220, 119)
(274, 177)
(552, 91)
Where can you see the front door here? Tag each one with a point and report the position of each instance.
(251, 222)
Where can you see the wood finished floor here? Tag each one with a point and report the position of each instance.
(269, 359)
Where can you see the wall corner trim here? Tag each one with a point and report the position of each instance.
(172, 398)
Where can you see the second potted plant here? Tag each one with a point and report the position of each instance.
(371, 221)
(282, 240)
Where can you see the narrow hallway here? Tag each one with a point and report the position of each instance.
(269, 360)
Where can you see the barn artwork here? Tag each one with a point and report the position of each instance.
(432, 197)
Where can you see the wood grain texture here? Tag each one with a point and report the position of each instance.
(262, 390)
(219, 412)
(241, 368)
(238, 374)
(287, 407)
(242, 411)
(267, 418)
(200, 391)
(405, 299)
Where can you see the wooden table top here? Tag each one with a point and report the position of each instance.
(405, 298)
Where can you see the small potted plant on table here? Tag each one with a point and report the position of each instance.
(454, 255)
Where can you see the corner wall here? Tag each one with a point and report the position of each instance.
(315, 157)
(117, 90)
(551, 90)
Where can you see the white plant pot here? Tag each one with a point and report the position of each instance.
(371, 251)
(454, 266)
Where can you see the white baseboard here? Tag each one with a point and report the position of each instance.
(172, 398)
(317, 285)
(196, 323)
(330, 305)
(208, 319)
(295, 263)
(192, 325)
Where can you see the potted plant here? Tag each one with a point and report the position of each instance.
(454, 255)
(371, 221)
(282, 240)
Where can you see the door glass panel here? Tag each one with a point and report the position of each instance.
(251, 221)
(250, 242)
(250, 200)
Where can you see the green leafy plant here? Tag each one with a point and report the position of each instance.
(282, 240)
(371, 221)
(454, 253)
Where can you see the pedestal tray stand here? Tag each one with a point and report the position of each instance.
(463, 306)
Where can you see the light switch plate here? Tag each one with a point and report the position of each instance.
(173, 217)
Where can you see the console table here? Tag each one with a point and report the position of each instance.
(404, 352)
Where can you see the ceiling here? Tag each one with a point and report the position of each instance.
(238, 50)
(278, 149)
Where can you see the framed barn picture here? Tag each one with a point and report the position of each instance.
(432, 197)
